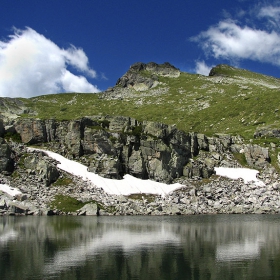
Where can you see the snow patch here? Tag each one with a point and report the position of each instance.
(9, 190)
(128, 185)
(248, 175)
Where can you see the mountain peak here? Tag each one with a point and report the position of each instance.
(221, 70)
(143, 76)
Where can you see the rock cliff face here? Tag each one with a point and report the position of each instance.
(6, 160)
(115, 146)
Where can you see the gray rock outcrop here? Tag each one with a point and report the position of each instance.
(42, 166)
(256, 156)
(2, 128)
(6, 160)
(114, 146)
(139, 78)
(267, 132)
(135, 77)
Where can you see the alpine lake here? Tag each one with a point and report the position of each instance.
(140, 247)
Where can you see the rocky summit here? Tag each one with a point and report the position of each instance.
(149, 147)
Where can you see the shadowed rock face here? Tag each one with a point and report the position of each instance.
(115, 146)
(2, 129)
(6, 161)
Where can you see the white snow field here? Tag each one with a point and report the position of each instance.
(129, 184)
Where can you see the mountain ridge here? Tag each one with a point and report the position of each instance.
(230, 100)
(156, 123)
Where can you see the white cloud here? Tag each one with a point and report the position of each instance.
(272, 15)
(72, 83)
(230, 41)
(202, 68)
(78, 58)
(270, 11)
(31, 65)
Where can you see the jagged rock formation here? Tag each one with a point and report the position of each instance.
(114, 146)
(140, 77)
(216, 71)
(137, 78)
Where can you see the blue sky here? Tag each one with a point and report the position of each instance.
(49, 46)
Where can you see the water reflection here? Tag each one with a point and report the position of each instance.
(238, 251)
(128, 239)
(192, 247)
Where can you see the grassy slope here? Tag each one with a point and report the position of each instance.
(237, 102)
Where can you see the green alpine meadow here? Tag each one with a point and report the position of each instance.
(230, 100)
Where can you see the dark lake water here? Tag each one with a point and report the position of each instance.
(140, 247)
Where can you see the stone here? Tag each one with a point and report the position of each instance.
(2, 128)
(6, 161)
(40, 166)
(202, 142)
(89, 209)
(3, 204)
(31, 131)
(256, 156)
(17, 208)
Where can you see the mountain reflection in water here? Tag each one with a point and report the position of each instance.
(140, 247)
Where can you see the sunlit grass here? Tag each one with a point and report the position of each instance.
(225, 104)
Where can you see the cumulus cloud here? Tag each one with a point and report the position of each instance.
(231, 40)
(202, 68)
(31, 64)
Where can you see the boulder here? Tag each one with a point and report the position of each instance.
(90, 209)
(256, 156)
(42, 167)
(17, 208)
